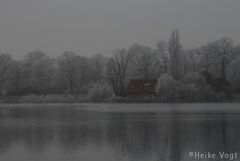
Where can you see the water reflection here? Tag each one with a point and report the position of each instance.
(54, 132)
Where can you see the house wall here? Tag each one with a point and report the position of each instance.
(133, 95)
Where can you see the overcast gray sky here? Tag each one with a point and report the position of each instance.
(98, 26)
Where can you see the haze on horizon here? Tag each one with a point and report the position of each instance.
(99, 26)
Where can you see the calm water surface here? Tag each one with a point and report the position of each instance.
(116, 132)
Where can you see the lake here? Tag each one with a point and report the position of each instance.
(117, 132)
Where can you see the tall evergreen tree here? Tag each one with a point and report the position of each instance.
(175, 54)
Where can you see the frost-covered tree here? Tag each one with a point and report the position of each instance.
(163, 55)
(34, 56)
(100, 91)
(233, 74)
(191, 88)
(223, 49)
(97, 67)
(235, 52)
(168, 88)
(117, 71)
(216, 56)
(174, 48)
(194, 78)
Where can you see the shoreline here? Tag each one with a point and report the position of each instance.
(219, 109)
(71, 99)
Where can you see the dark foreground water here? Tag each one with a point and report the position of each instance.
(117, 132)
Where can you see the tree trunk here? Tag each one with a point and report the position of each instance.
(223, 74)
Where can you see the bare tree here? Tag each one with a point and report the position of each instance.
(206, 57)
(5, 66)
(42, 74)
(191, 61)
(174, 48)
(117, 71)
(72, 68)
(27, 69)
(144, 59)
(15, 78)
(235, 52)
(67, 66)
(82, 76)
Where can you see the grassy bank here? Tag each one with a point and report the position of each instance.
(236, 97)
(44, 99)
(86, 99)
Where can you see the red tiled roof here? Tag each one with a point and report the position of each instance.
(141, 86)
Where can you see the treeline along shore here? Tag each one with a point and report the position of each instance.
(209, 73)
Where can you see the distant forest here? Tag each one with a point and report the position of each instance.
(208, 73)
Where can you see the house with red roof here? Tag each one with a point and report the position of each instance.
(141, 88)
